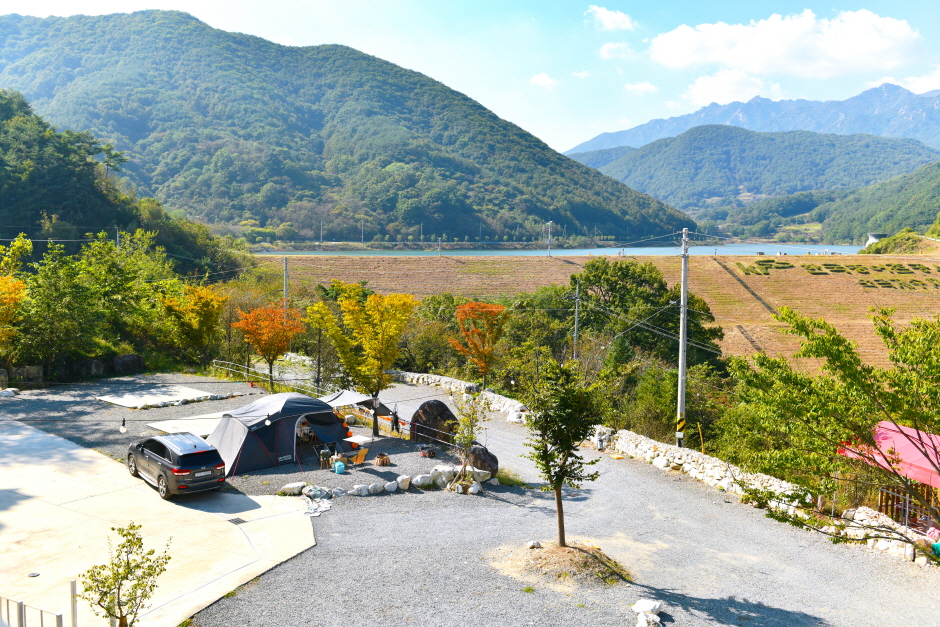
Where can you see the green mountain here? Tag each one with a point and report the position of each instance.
(600, 158)
(53, 187)
(726, 166)
(227, 128)
(907, 201)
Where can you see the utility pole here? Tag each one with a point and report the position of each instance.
(362, 231)
(549, 238)
(577, 308)
(422, 232)
(481, 232)
(321, 231)
(285, 286)
(438, 247)
(683, 314)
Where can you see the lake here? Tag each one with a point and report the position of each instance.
(730, 249)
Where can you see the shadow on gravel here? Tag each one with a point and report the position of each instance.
(733, 611)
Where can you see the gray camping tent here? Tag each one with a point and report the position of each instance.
(262, 434)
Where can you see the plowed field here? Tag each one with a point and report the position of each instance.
(742, 292)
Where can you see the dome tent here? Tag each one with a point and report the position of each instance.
(262, 434)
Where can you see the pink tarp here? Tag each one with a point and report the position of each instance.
(905, 448)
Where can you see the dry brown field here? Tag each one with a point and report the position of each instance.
(743, 301)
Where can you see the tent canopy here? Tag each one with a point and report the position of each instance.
(345, 397)
(263, 433)
(904, 448)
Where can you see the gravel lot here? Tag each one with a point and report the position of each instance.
(424, 557)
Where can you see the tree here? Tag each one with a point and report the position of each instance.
(12, 293)
(196, 313)
(560, 420)
(481, 326)
(269, 330)
(367, 339)
(794, 423)
(471, 414)
(11, 257)
(120, 589)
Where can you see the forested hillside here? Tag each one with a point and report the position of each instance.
(907, 201)
(232, 128)
(53, 186)
(600, 158)
(888, 110)
(725, 166)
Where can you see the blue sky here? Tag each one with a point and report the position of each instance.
(567, 71)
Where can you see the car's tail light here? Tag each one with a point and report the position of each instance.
(180, 487)
(220, 467)
(179, 472)
(221, 479)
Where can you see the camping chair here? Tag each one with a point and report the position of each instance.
(359, 458)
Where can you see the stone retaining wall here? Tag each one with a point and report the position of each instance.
(497, 402)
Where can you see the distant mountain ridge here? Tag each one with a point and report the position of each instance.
(726, 166)
(888, 111)
(232, 128)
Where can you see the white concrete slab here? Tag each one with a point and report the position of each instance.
(162, 394)
(199, 425)
(59, 501)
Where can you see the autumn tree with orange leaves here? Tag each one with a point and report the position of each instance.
(269, 330)
(12, 293)
(481, 326)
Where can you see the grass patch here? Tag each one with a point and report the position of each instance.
(509, 478)
(229, 595)
(186, 623)
(528, 589)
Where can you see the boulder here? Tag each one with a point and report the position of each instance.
(128, 364)
(661, 462)
(391, 486)
(445, 471)
(316, 492)
(292, 489)
(432, 422)
(645, 619)
(338, 492)
(535, 544)
(376, 488)
(516, 417)
(422, 481)
(6, 393)
(404, 482)
(493, 481)
(650, 606)
(476, 488)
(478, 475)
(359, 490)
(481, 459)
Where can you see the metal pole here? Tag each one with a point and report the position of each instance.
(321, 231)
(73, 592)
(362, 231)
(438, 247)
(422, 232)
(683, 312)
(58, 621)
(20, 614)
(285, 284)
(549, 238)
(577, 307)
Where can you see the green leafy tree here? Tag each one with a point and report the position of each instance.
(794, 423)
(561, 409)
(120, 589)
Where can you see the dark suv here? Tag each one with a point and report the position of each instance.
(176, 464)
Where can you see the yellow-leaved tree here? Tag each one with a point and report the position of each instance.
(367, 336)
(196, 311)
(12, 293)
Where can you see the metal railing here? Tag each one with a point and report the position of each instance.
(254, 375)
(18, 614)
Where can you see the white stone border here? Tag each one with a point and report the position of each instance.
(497, 402)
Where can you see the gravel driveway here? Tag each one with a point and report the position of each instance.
(425, 557)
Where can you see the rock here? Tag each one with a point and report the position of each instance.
(441, 482)
(650, 606)
(535, 544)
(432, 422)
(479, 475)
(376, 488)
(849, 514)
(456, 487)
(316, 492)
(476, 488)
(493, 481)
(661, 462)
(422, 481)
(516, 417)
(921, 560)
(7, 393)
(482, 459)
(360, 490)
(448, 472)
(338, 492)
(350, 419)
(292, 489)
(404, 482)
(391, 486)
(128, 364)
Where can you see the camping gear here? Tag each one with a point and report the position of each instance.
(382, 460)
(339, 468)
(428, 453)
(262, 434)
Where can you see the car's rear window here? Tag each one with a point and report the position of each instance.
(205, 458)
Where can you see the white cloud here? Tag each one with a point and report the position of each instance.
(614, 50)
(583, 74)
(726, 86)
(641, 88)
(801, 45)
(917, 84)
(543, 80)
(610, 20)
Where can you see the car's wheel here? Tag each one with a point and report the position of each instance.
(132, 465)
(163, 488)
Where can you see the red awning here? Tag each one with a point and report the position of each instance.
(905, 447)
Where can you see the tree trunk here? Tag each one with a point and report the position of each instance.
(375, 416)
(561, 516)
(271, 375)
